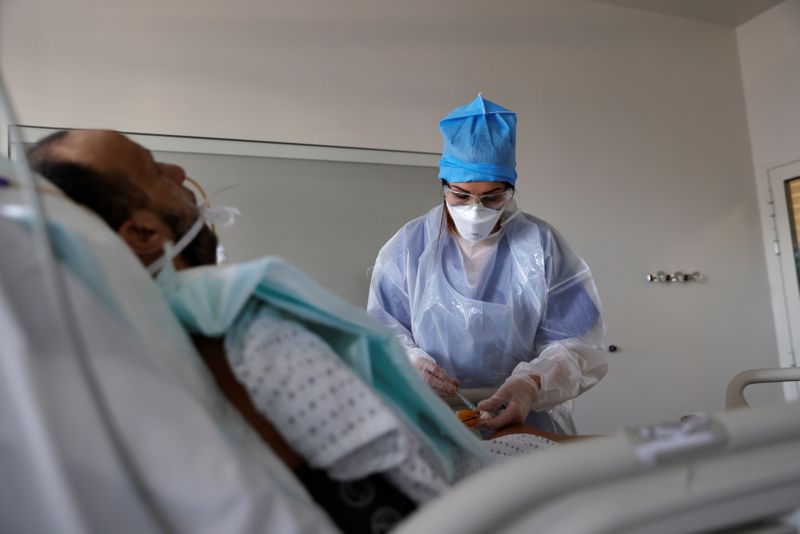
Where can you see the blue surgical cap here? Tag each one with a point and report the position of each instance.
(479, 143)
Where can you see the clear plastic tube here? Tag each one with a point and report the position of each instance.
(60, 499)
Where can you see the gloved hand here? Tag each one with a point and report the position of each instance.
(437, 378)
(518, 394)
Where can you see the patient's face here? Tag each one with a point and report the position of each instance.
(111, 153)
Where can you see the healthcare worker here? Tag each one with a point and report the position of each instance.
(483, 295)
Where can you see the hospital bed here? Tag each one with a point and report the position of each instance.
(713, 471)
(734, 395)
(125, 431)
(141, 441)
(736, 471)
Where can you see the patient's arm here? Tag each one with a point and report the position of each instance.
(331, 494)
(213, 353)
(525, 429)
(471, 418)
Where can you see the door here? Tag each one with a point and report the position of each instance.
(785, 189)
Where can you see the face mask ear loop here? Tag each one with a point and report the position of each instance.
(205, 216)
(224, 216)
(169, 254)
(207, 206)
(155, 267)
(203, 197)
(172, 252)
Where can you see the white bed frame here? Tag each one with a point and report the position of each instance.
(719, 471)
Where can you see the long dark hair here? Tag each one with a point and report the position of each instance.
(446, 223)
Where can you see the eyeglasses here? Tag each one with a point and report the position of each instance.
(493, 201)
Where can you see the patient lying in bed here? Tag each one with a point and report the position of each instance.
(294, 375)
(332, 428)
(323, 419)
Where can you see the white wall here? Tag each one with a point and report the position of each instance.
(769, 49)
(632, 138)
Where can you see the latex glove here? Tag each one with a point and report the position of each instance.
(437, 378)
(517, 394)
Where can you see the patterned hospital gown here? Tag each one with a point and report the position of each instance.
(323, 410)
(327, 414)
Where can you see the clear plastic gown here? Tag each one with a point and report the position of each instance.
(531, 306)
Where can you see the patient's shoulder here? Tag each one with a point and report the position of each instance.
(265, 332)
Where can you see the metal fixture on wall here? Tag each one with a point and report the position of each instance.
(677, 276)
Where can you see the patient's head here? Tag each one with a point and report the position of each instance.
(143, 200)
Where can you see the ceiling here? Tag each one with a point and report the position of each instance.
(727, 12)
